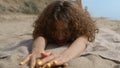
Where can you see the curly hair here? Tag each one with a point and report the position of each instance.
(79, 22)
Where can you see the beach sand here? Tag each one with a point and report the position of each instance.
(15, 28)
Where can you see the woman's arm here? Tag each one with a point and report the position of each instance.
(38, 47)
(76, 48)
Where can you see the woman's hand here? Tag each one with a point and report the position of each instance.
(58, 61)
(33, 59)
(74, 51)
(37, 48)
(53, 60)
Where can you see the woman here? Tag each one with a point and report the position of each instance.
(60, 22)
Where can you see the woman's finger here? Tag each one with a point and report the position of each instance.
(55, 64)
(39, 62)
(32, 62)
(43, 54)
(58, 62)
(49, 58)
(26, 59)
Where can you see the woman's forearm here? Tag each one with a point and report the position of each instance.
(76, 48)
(39, 45)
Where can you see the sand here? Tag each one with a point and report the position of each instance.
(16, 30)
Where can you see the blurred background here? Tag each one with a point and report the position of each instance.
(23, 6)
(17, 16)
(97, 8)
(104, 8)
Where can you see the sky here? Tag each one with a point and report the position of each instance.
(103, 8)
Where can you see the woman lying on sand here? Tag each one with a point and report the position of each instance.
(60, 22)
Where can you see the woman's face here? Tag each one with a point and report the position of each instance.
(61, 33)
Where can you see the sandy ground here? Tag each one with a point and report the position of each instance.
(18, 24)
(17, 27)
(111, 24)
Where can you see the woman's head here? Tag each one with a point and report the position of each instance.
(62, 20)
